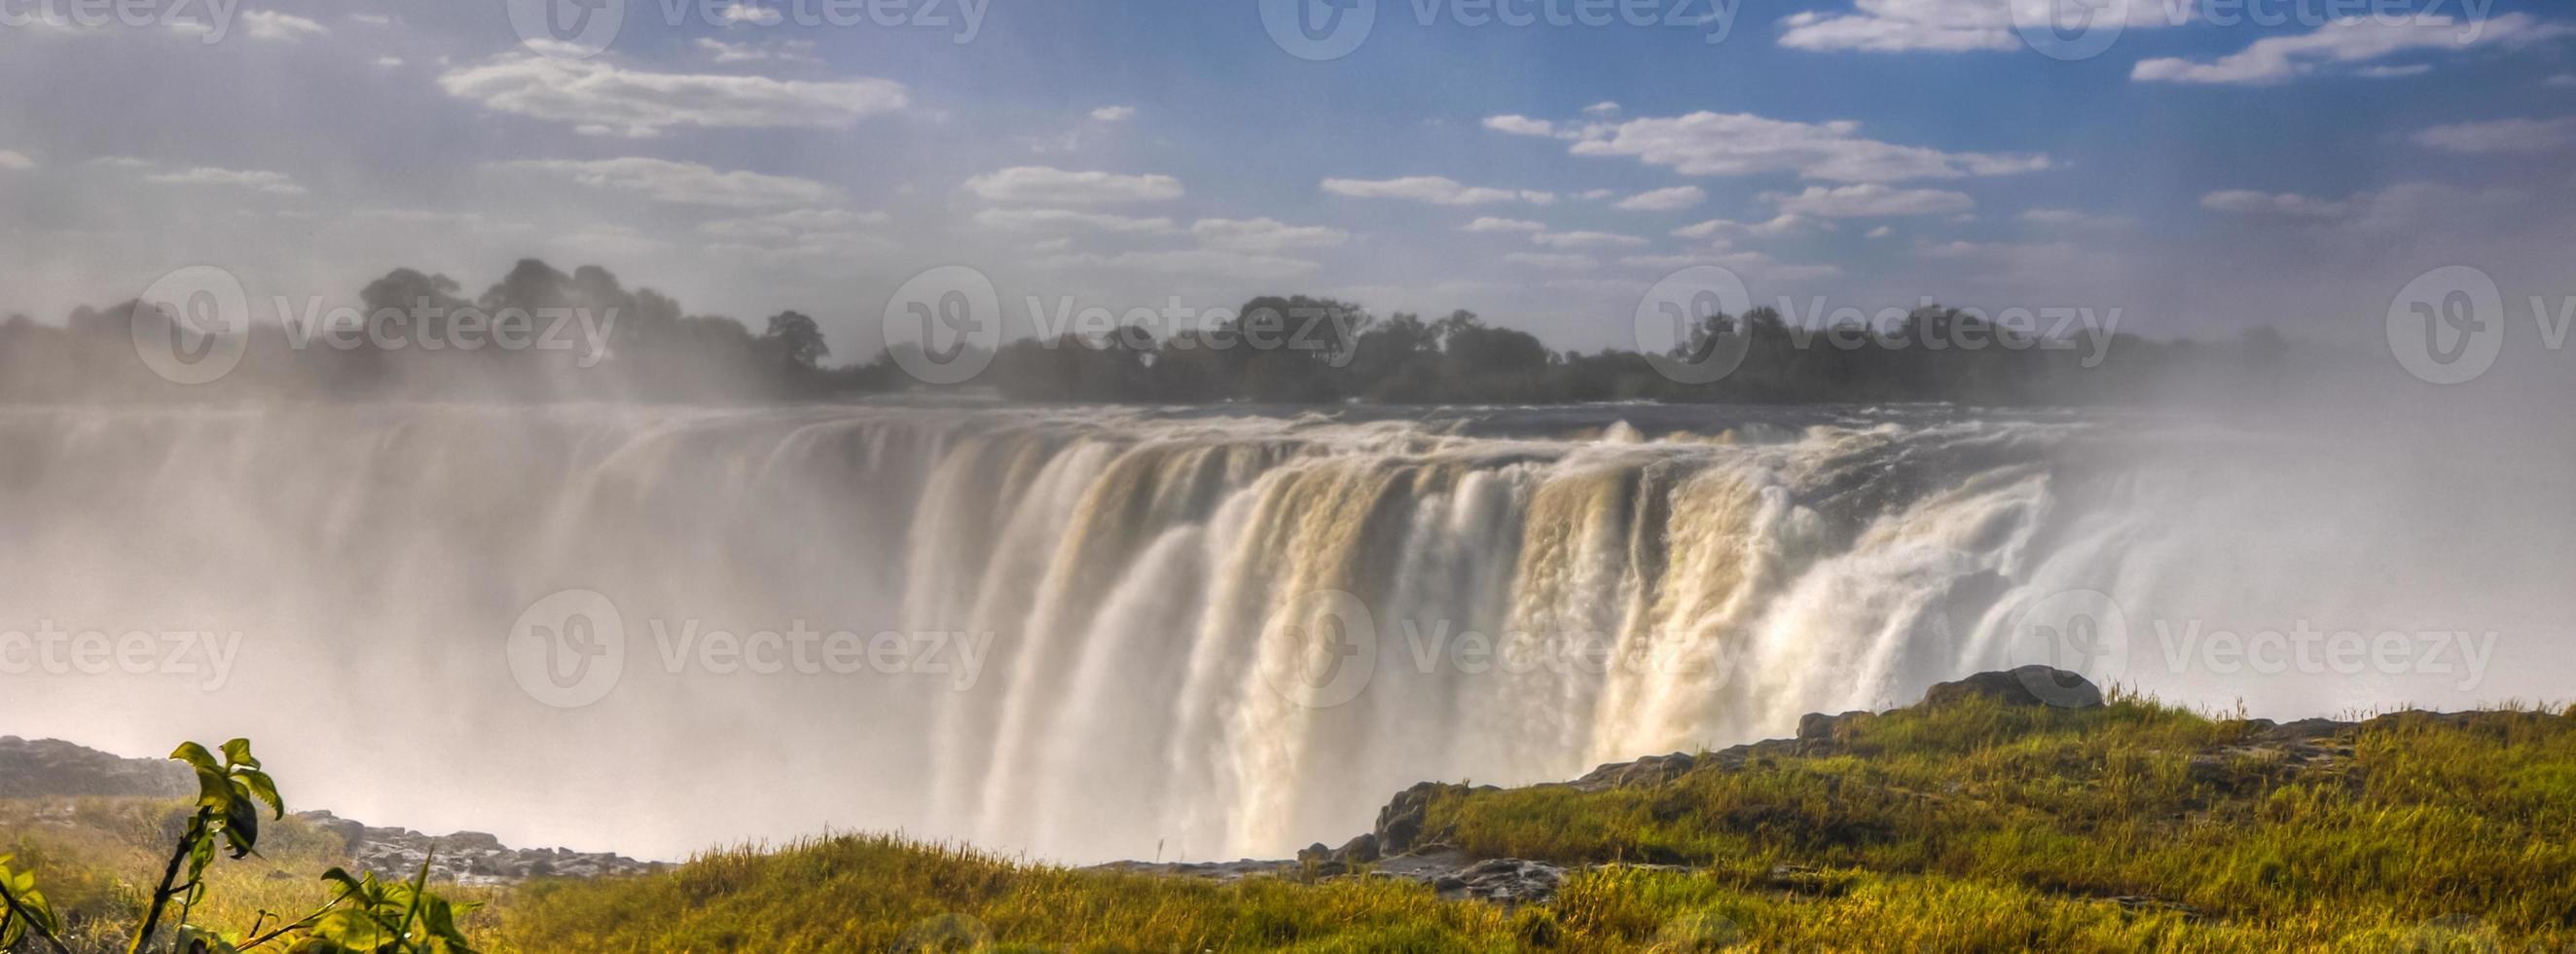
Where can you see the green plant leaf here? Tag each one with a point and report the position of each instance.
(237, 752)
(265, 789)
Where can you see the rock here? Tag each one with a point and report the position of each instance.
(1815, 726)
(1454, 875)
(468, 857)
(1358, 851)
(2026, 686)
(1399, 824)
(1819, 727)
(48, 768)
(1651, 770)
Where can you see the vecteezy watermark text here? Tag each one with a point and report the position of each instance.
(211, 20)
(569, 649)
(51, 649)
(1322, 30)
(579, 29)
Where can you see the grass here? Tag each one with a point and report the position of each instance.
(98, 860)
(1975, 827)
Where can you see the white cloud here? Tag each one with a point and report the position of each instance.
(2502, 135)
(723, 52)
(1891, 26)
(2560, 81)
(684, 183)
(1264, 235)
(2073, 217)
(1594, 195)
(2274, 203)
(1602, 108)
(1665, 263)
(1114, 114)
(1047, 185)
(1734, 144)
(1492, 224)
(273, 183)
(1881, 232)
(2393, 72)
(1664, 200)
(1872, 199)
(2352, 40)
(607, 100)
(271, 25)
(1565, 240)
(389, 61)
(1520, 126)
(1778, 225)
(1554, 261)
(749, 13)
(790, 225)
(14, 161)
(1436, 190)
(1060, 220)
(1196, 262)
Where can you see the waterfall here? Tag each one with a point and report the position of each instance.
(1087, 634)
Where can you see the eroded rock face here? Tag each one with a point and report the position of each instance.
(51, 768)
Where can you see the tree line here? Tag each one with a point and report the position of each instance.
(1277, 349)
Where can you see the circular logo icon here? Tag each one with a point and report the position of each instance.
(193, 325)
(2447, 326)
(1326, 642)
(567, 29)
(942, 326)
(1319, 30)
(2070, 29)
(2081, 631)
(1691, 324)
(568, 649)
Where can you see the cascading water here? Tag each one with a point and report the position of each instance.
(1524, 594)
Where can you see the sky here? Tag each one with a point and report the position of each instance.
(2200, 166)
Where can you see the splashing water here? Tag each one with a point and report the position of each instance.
(1514, 595)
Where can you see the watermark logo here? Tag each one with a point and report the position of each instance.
(2070, 29)
(193, 325)
(1327, 649)
(1691, 324)
(2079, 631)
(943, 325)
(568, 649)
(1319, 30)
(52, 649)
(568, 29)
(2447, 326)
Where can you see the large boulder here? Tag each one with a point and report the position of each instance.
(2026, 686)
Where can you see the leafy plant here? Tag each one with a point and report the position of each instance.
(228, 797)
(367, 916)
(23, 910)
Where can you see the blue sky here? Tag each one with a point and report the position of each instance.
(2201, 177)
